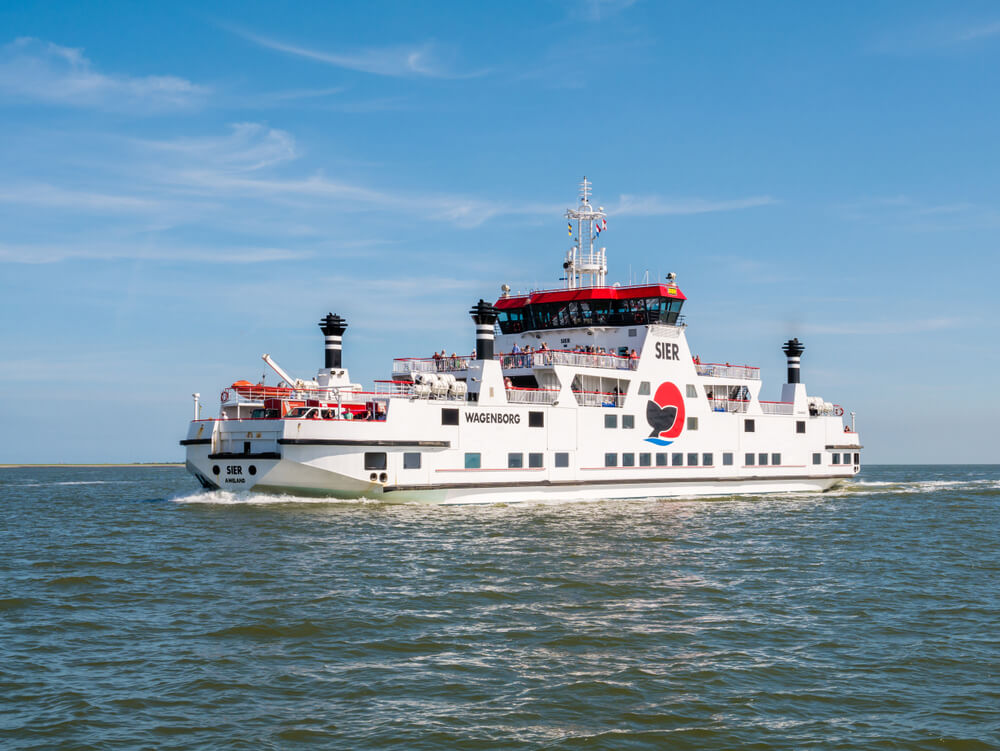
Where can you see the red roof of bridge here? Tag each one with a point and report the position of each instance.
(591, 293)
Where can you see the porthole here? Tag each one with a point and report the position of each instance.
(383, 477)
(373, 476)
(215, 469)
(252, 469)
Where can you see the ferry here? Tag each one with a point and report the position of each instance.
(581, 393)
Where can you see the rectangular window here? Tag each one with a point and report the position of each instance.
(677, 460)
(628, 421)
(800, 426)
(692, 460)
(762, 460)
(748, 426)
(836, 458)
(449, 417)
(727, 459)
(628, 460)
(644, 388)
(535, 460)
(706, 460)
(411, 461)
(515, 461)
(562, 459)
(749, 460)
(692, 392)
(611, 421)
(661, 459)
(776, 460)
(692, 423)
(472, 461)
(857, 458)
(536, 419)
(611, 460)
(375, 460)
(645, 460)
(817, 458)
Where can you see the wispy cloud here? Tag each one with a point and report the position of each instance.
(248, 147)
(423, 60)
(657, 206)
(43, 71)
(160, 251)
(52, 196)
(881, 328)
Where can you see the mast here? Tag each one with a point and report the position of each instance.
(585, 265)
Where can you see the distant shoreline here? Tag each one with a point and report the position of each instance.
(112, 464)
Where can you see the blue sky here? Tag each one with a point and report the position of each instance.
(183, 188)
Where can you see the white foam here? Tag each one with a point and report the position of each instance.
(229, 498)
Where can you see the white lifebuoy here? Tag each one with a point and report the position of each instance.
(224, 396)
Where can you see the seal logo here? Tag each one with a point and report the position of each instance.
(665, 414)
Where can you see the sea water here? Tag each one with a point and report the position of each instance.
(139, 612)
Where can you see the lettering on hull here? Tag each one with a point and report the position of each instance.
(493, 418)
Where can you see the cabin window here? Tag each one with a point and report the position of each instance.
(611, 421)
(628, 421)
(749, 460)
(817, 458)
(375, 460)
(562, 459)
(611, 460)
(692, 423)
(411, 461)
(472, 461)
(727, 459)
(748, 426)
(449, 417)
(692, 392)
(706, 460)
(515, 461)
(632, 332)
(800, 426)
(857, 458)
(535, 460)
(536, 419)
(776, 460)
(692, 460)
(645, 460)
(677, 460)
(644, 388)
(628, 460)
(836, 458)
(762, 460)
(661, 459)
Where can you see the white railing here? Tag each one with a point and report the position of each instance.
(665, 331)
(531, 396)
(408, 365)
(776, 408)
(548, 357)
(716, 370)
(728, 405)
(598, 399)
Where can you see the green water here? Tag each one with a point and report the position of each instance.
(137, 612)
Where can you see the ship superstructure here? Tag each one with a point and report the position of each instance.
(585, 392)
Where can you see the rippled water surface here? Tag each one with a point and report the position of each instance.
(136, 612)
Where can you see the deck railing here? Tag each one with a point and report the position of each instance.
(776, 408)
(547, 357)
(531, 396)
(717, 370)
(599, 399)
(728, 405)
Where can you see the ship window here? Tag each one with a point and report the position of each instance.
(515, 461)
(628, 421)
(535, 460)
(836, 458)
(632, 332)
(762, 460)
(661, 460)
(727, 459)
(692, 392)
(411, 461)
(692, 460)
(749, 460)
(611, 460)
(562, 459)
(817, 458)
(677, 460)
(246, 447)
(800, 426)
(644, 388)
(706, 460)
(857, 458)
(628, 460)
(611, 421)
(473, 461)
(645, 460)
(375, 460)
(536, 419)
(692, 423)
(449, 417)
(776, 460)
(748, 426)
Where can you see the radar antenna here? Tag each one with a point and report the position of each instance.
(585, 265)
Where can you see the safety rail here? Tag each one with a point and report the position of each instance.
(546, 357)
(516, 395)
(728, 405)
(409, 365)
(599, 399)
(776, 408)
(718, 370)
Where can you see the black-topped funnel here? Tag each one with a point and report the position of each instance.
(485, 316)
(793, 350)
(333, 329)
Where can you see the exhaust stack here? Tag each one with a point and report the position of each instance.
(333, 329)
(793, 350)
(485, 316)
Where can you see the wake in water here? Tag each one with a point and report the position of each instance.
(229, 498)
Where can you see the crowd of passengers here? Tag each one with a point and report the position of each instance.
(522, 357)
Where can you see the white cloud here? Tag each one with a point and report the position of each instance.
(33, 69)
(52, 196)
(657, 206)
(53, 253)
(248, 147)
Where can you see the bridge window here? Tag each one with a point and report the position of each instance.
(511, 321)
